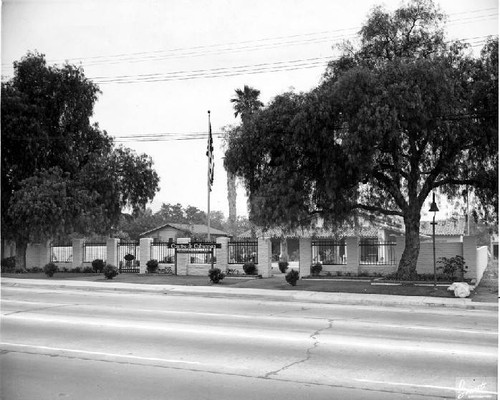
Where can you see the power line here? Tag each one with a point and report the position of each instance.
(279, 66)
(201, 50)
(216, 72)
(248, 45)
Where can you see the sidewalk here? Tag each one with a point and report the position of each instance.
(305, 296)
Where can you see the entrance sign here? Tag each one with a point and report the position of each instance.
(194, 246)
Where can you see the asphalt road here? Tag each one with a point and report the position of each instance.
(63, 343)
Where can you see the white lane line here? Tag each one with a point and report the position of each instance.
(415, 385)
(337, 322)
(332, 341)
(97, 353)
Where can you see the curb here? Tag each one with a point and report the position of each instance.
(278, 295)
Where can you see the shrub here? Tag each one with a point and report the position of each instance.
(77, 270)
(8, 264)
(88, 270)
(450, 266)
(316, 269)
(110, 271)
(283, 266)
(35, 270)
(98, 265)
(152, 266)
(292, 277)
(50, 269)
(215, 275)
(250, 268)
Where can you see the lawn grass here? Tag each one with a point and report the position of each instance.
(274, 283)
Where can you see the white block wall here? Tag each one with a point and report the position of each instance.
(425, 264)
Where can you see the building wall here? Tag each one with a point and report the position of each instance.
(446, 238)
(8, 248)
(425, 264)
(198, 269)
(37, 255)
(165, 234)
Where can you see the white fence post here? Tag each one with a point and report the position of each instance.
(352, 250)
(145, 253)
(264, 257)
(182, 259)
(78, 252)
(112, 252)
(305, 256)
(222, 253)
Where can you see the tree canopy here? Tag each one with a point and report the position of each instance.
(404, 114)
(60, 173)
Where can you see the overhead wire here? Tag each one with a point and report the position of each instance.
(248, 45)
(232, 47)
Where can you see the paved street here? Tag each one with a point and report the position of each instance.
(106, 344)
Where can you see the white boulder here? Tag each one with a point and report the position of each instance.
(461, 289)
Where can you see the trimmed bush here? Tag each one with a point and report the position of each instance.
(215, 275)
(316, 269)
(283, 266)
(451, 266)
(35, 270)
(152, 266)
(250, 268)
(8, 264)
(98, 265)
(110, 271)
(88, 270)
(50, 269)
(292, 277)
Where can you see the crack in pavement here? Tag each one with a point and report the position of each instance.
(295, 310)
(37, 309)
(309, 351)
(345, 385)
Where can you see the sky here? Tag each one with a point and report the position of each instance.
(161, 65)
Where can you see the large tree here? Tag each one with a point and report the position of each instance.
(404, 114)
(60, 173)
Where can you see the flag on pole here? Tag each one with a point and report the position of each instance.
(210, 155)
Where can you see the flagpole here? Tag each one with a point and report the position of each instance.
(208, 175)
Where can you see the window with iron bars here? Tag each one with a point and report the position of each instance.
(373, 252)
(329, 251)
(242, 251)
(94, 251)
(162, 253)
(61, 253)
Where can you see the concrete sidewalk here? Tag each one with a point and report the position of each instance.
(277, 295)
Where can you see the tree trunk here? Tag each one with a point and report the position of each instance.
(231, 198)
(21, 247)
(284, 249)
(407, 268)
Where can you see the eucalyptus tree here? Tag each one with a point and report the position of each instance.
(404, 114)
(60, 173)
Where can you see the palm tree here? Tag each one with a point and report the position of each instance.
(245, 104)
